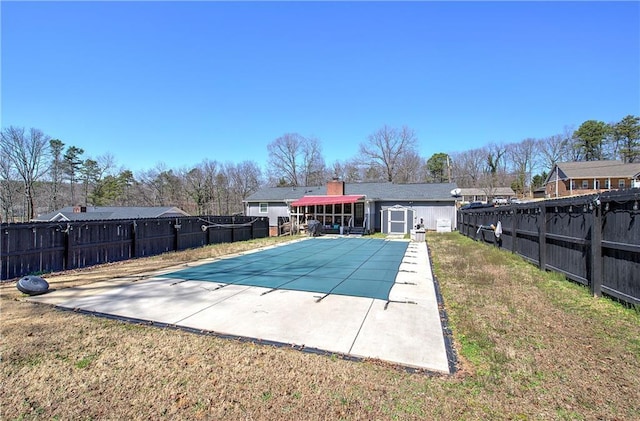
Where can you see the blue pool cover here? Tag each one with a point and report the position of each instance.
(360, 267)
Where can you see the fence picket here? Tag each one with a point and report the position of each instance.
(593, 240)
(41, 247)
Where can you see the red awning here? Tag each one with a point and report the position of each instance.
(326, 200)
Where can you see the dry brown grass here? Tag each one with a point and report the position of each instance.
(532, 346)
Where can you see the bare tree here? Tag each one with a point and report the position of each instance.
(372, 172)
(106, 165)
(223, 189)
(524, 159)
(296, 161)
(162, 186)
(313, 168)
(245, 180)
(495, 171)
(9, 188)
(349, 171)
(409, 168)
(554, 149)
(467, 167)
(573, 150)
(386, 147)
(210, 170)
(26, 152)
(283, 158)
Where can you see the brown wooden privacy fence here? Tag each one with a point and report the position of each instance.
(41, 247)
(593, 240)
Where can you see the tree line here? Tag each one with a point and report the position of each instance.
(40, 174)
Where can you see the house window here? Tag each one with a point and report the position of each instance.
(585, 184)
(621, 183)
(606, 184)
(264, 208)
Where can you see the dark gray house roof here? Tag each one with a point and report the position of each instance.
(372, 191)
(593, 169)
(90, 213)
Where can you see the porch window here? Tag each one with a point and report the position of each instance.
(585, 184)
(264, 208)
(621, 183)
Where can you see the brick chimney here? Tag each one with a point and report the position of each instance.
(335, 187)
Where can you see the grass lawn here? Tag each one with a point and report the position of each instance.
(530, 346)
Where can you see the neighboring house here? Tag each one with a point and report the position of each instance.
(88, 213)
(588, 177)
(371, 207)
(473, 194)
(539, 193)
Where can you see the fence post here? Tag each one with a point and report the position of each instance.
(134, 239)
(514, 230)
(176, 238)
(4, 262)
(475, 225)
(595, 283)
(68, 247)
(542, 237)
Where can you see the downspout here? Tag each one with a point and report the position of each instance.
(367, 213)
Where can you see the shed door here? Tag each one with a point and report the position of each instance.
(397, 221)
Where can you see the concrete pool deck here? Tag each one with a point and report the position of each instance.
(404, 330)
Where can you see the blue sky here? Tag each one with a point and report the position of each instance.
(180, 82)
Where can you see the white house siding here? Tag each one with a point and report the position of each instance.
(435, 211)
(274, 210)
(430, 212)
